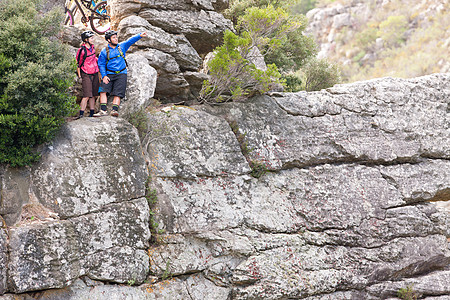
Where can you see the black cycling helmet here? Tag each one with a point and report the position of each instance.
(109, 34)
(85, 35)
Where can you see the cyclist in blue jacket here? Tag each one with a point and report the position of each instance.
(113, 68)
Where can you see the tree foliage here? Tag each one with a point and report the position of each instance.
(36, 70)
(233, 73)
(320, 74)
(303, 6)
(293, 49)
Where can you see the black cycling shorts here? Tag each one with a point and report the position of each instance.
(116, 86)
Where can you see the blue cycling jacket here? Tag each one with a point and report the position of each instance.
(116, 62)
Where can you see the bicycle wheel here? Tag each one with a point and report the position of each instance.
(100, 19)
(69, 18)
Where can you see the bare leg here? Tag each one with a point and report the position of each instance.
(83, 103)
(103, 98)
(92, 103)
(116, 100)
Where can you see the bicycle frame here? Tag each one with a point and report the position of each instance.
(99, 16)
(84, 18)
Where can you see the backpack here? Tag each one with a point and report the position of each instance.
(84, 56)
(108, 59)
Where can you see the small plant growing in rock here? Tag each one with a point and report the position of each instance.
(240, 138)
(408, 293)
(152, 198)
(150, 194)
(139, 120)
(258, 168)
(167, 274)
(131, 282)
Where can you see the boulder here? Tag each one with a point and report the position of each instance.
(207, 145)
(195, 80)
(175, 45)
(109, 246)
(98, 224)
(43, 256)
(348, 123)
(141, 84)
(120, 9)
(169, 54)
(171, 86)
(72, 183)
(71, 35)
(203, 29)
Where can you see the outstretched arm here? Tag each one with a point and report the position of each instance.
(127, 44)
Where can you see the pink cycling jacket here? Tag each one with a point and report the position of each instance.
(90, 65)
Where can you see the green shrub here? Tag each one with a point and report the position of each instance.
(290, 50)
(293, 81)
(319, 74)
(408, 293)
(303, 6)
(392, 30)
(366, 38)
(36, 73)
(233, 76)
(294, 49)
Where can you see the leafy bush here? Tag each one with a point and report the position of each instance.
(233, 75)
(36, 71)
(294, 81)
(293, 48)
(392, 30)
(367, 37)
(303, 6)
(320, 74)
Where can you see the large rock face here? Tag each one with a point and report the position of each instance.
(337, 194)
(355, 202)
(80, 212)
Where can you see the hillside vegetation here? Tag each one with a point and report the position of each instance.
(373, 38)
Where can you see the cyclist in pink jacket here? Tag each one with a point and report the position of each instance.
(88, 72)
